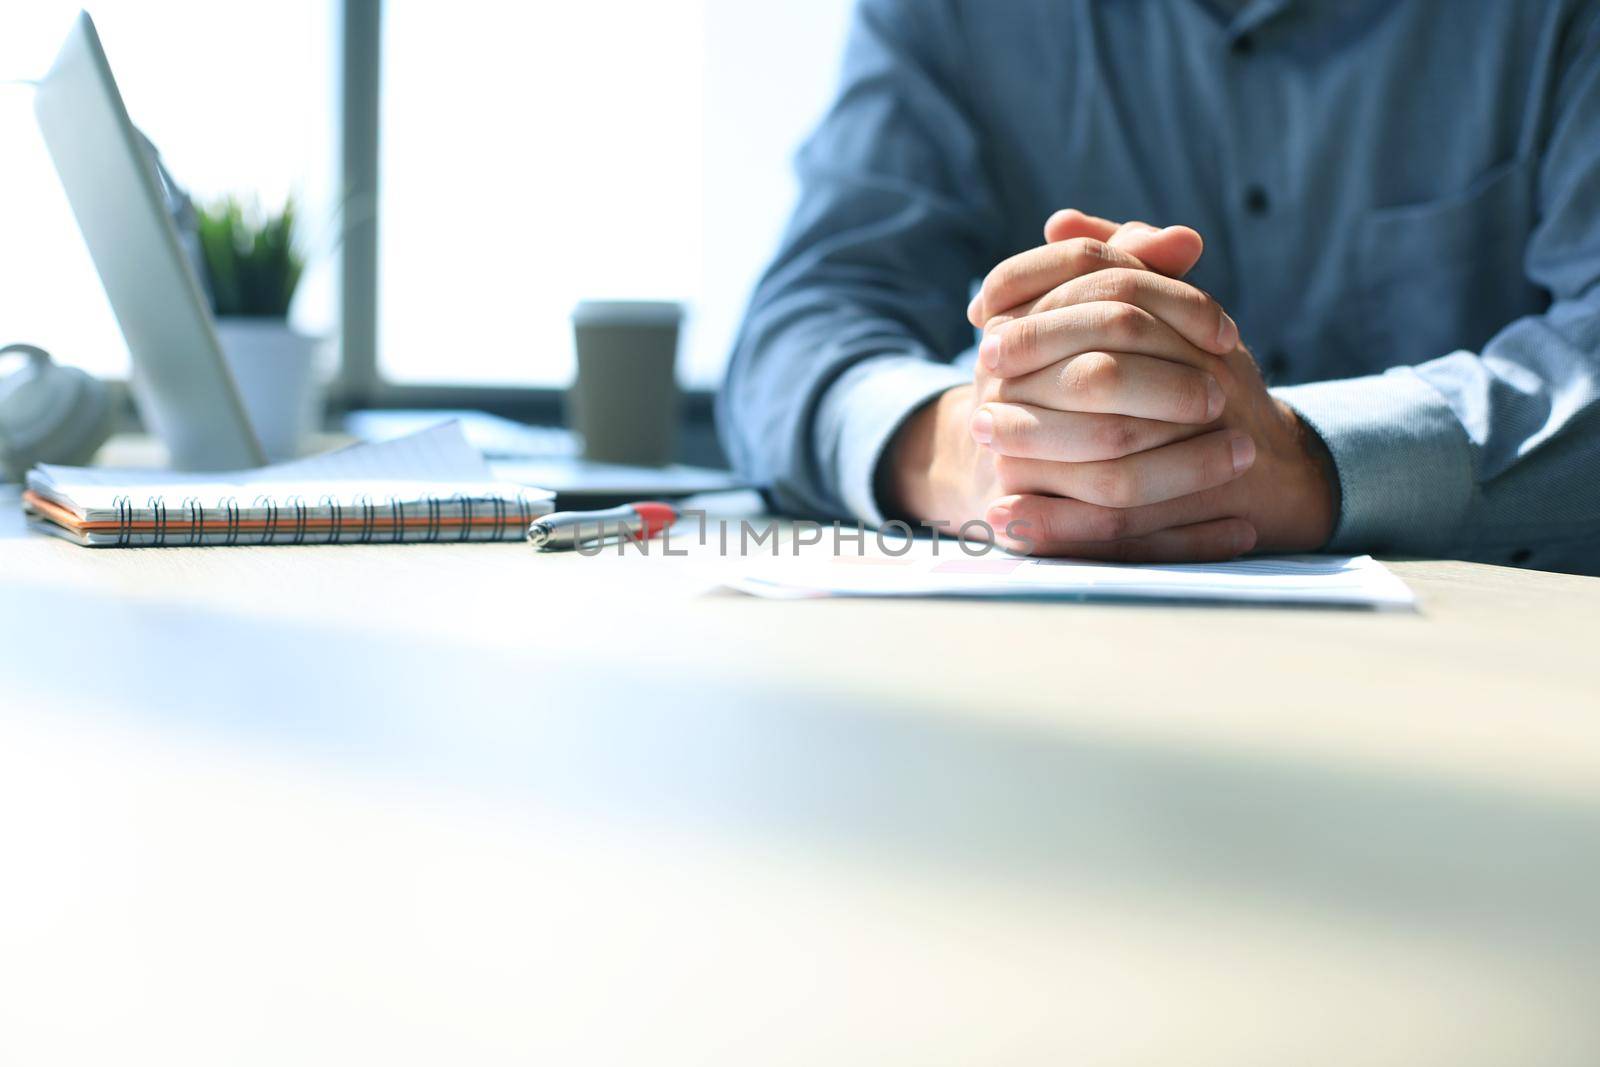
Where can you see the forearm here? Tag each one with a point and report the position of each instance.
(814, 398)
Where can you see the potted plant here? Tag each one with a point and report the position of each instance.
(253, 265)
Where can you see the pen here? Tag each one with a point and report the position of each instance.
(584, 529)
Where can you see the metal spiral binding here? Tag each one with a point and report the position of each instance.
(433, 517)
(272, 529)
(124, 508)
(269, 532)
(197, 519)
(336, 526)
(231, 506)
(397, 520)
(298, 502)
(500, 517)
(368, 517)
(157, 506)
(465, 503)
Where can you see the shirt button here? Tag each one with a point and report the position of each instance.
(1256, 201)
(1521, 556)
(1243, 45)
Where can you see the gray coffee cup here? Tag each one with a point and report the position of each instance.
(624, 400)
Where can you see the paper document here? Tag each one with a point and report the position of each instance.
(1342, 581)
(549, 458)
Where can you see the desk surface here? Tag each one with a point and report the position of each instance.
(470, 803)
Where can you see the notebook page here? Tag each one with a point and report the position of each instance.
(436, 462)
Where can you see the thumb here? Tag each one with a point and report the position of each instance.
(1069, 223)
(1173, 251)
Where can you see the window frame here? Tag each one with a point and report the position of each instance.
(359, 383)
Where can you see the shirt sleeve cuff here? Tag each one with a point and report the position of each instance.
(1403, 460)
(861, 413)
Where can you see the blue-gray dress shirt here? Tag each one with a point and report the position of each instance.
(1401, 206)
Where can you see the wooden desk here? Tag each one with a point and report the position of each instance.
(469, 804)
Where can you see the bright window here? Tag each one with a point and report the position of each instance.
(533, 155)
(237, 98)
(537, 154)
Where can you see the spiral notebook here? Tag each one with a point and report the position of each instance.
(429, 486)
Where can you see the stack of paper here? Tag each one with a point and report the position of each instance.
(1358, 581)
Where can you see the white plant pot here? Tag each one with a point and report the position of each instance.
(275, 369)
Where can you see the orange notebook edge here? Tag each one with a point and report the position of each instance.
(381, 519)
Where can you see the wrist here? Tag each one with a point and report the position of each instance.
(1319, 476)
(918, 479)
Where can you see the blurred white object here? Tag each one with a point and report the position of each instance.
(547, 456)
(48, 413)
(180, 381)
(275, 370)
(494, 436)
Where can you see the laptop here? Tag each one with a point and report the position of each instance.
(179, 379)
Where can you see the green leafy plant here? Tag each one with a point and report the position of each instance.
(251, 257)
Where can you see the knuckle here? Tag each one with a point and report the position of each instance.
(1085, 254)
(1190, 399)
(1110, 524)
(1094, 374)
(1116, 436)
(1109, 486)
(1125, 323)
(1205, 308)
(1112, 285)
(1123, 284)
(1053, 520)
(1118, 322)
(1018, 341)
(1130, 491)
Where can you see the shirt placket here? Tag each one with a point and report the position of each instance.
(1257, 195)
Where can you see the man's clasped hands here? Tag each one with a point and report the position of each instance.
(1114, 414)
